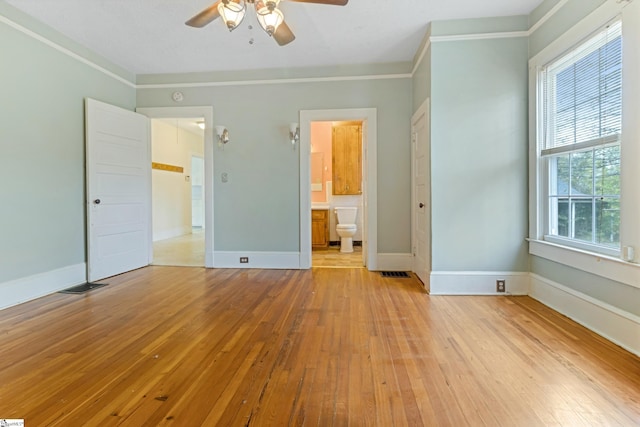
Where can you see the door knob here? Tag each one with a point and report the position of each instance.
(96, 201)
(421, 205)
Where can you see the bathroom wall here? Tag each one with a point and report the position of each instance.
(321, 143)
(321, 136)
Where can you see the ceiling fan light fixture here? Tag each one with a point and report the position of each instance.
(268, 15)
(232, 12)
(269, 20)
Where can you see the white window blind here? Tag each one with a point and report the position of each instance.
(583, 95)
(582, 122)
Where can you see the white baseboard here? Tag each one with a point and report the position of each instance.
(28, 288)
(394, 262)
(618, 326)
(267, 260)
(478, 282)
(291, 260)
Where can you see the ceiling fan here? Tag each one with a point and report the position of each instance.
(269, 16)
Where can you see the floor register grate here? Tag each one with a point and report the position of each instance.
(80, 289)
(395, 274)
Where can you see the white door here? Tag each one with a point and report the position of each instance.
(421, 194)
(118, 190)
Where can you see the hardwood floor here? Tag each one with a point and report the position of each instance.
(324, 347)
(332, 257)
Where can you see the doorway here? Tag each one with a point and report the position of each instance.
(177, 182)
(368, 118)
(204, 115)
(336, 182)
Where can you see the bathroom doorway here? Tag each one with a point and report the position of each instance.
(366, 233)
(177, 181)
(336, 182)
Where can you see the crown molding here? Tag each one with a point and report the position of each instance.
(547, 16)
(423, 52)
(65, 51)
(274, 81)
(481, 36)
(489, 36)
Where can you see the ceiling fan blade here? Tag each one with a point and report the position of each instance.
(328, 2)
(204, 17)
(283, 34)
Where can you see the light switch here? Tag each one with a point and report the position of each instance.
(225, 177)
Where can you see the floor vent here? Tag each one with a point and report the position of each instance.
(80, 289)
(395, 274)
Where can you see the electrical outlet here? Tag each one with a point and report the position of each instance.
(501, 285)
(244, 260)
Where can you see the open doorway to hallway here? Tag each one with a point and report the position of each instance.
(178, 188)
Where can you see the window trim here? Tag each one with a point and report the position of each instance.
(608, 267)
(545, 155)
(604, 265)
(581, 146)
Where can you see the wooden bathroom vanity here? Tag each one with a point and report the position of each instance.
(319, 228)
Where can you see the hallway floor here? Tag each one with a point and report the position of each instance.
(187, 250)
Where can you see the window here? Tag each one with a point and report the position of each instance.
(580, 145)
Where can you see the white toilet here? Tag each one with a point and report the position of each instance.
(346, 228)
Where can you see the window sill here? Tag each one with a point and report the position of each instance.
(598, 264)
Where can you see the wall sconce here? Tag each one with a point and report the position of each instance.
(223, 135)
(294, 134)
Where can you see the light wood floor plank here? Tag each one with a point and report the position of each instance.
(178, 346)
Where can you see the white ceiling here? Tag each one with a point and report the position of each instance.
(149, 36)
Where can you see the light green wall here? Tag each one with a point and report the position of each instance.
(19, 18)
(258, 209)
(479, 155)
(458, 27)
(566, 17)
(42, 149)
(539, 12)
(478, 91)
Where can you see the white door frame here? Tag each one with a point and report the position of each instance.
(423, 110)
(206, 112)
(369, 117)
(193, 154)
